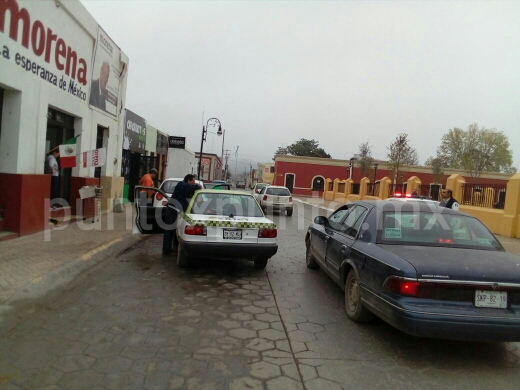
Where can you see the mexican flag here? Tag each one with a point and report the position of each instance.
(68, 153)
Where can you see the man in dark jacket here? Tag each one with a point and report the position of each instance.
(448, 201)
(177, 203)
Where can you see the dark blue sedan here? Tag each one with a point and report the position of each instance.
(426, 270)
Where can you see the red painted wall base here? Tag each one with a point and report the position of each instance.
(22, 203)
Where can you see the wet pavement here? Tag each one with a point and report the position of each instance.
(137, 321)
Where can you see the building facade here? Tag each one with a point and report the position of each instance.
(62, 78)
(211, 167)
(306, 175)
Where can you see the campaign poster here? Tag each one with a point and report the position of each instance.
(106, 71)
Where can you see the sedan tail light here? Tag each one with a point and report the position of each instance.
(404, 287)
(265, 197)
(195, 230)
(158, 196)
(267, 233)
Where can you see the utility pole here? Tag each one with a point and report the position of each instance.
(227, 154)
(236, 160)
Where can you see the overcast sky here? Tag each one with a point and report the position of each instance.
(341, 73)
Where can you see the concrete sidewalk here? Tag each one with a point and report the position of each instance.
(32, 265)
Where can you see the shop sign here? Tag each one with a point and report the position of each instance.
(106, 71)
(135, 133)
(175, 142)
(46, 43)
(206, 161)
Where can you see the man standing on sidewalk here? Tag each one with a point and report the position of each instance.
(148, 181)
(176, 204)
(52, 168)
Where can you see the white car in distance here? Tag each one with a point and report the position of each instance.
(275, 198)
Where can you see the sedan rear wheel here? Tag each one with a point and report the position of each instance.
(182, 258)
(353, 305)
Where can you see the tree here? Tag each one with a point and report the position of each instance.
(304, 147)
(400, 153)
(366, 161)
(476, 150)
(436, 164)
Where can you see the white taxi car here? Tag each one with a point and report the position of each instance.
(219, 225)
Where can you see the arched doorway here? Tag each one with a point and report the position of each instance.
(318, 183)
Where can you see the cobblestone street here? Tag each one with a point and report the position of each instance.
(137, 321)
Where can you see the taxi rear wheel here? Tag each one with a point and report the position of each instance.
(182, 258)
(261, 263)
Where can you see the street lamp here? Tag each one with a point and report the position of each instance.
(350, 167)
(375, 173)
(204, 133)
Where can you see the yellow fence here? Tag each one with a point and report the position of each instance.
(505, 222)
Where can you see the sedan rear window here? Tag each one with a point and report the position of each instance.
(169, 186)
(226, 204)
(434, 229)
(278, 191)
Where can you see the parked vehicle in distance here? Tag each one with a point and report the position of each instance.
(258, 187)
(168, 186)
(428, 271)
(217, 186)
(240, 184)
(217, 225)
(275, 198)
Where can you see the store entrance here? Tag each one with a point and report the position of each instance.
(60, 128)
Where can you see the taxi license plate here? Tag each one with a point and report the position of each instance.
(495, 299)
(232, 234)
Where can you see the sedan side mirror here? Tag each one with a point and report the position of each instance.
(320, 220)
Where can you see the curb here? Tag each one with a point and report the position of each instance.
(313, 205)
(66, 272)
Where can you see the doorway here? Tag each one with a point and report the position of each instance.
(99, 145)
(60, 128)
(289, 181)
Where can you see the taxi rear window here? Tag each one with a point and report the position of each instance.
(226, 204)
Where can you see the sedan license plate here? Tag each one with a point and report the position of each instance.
(495, 299)
(232, 234)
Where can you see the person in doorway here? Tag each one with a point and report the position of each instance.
(148, 181)
(98, 89)
(52, 168)
(414, 193)
(176, 204)
(448, 201)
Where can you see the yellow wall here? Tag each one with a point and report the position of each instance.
(505, 222)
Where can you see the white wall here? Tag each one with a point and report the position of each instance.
(28, 97)
(180, 163)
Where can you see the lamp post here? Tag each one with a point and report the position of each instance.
(222, 156)
(204, 134)
(374, 184)
(351, 167)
